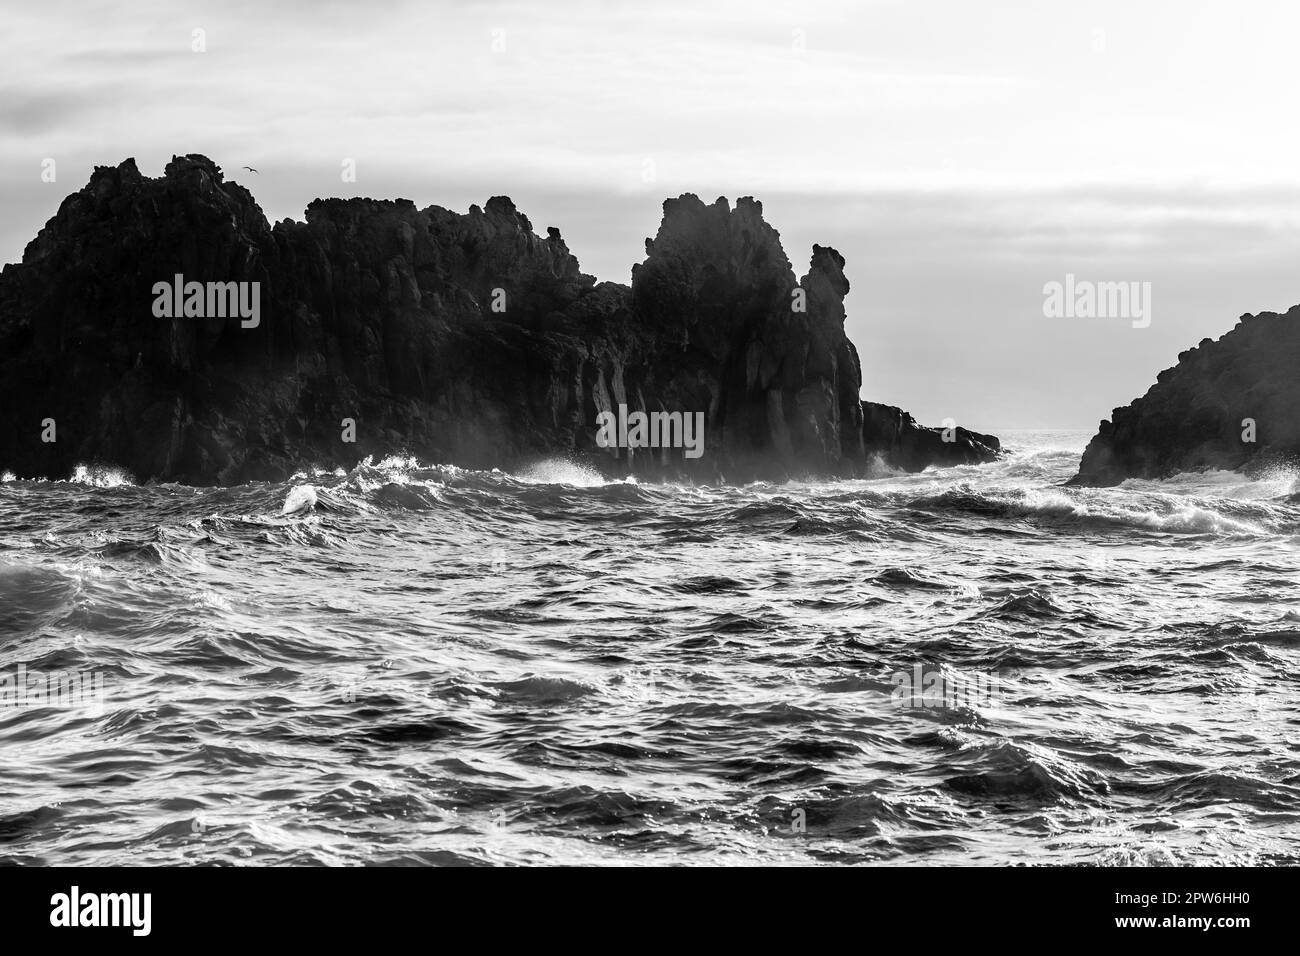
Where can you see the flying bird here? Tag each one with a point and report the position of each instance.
(250, 169)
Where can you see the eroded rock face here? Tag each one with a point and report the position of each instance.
(1198, 414)
(457, 338)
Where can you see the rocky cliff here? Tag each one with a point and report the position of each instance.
(1231, 403)
(382, 328)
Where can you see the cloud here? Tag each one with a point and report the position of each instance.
(25, 112)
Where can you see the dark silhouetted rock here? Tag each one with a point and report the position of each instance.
(895, 437)
(457, 338)
(1195, 416)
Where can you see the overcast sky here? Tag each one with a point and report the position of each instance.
(960, 158)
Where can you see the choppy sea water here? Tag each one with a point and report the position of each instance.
(419, 664)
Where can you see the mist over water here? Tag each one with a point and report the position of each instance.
(408, 663)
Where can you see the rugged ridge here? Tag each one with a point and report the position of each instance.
(1194, 416)
(458, 338)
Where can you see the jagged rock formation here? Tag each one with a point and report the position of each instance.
(894, 436)
(1195, 416)
(459, 338)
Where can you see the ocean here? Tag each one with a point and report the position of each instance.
(407, 663)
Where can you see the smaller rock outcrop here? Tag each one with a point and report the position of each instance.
(1231, 403)
(894, 437)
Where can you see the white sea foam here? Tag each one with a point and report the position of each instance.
(1275, 482)
(100, 476)
(878, 468)
(557, 471)
(1156, 511)
(300, 500)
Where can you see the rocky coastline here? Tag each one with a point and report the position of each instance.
(380, 328)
